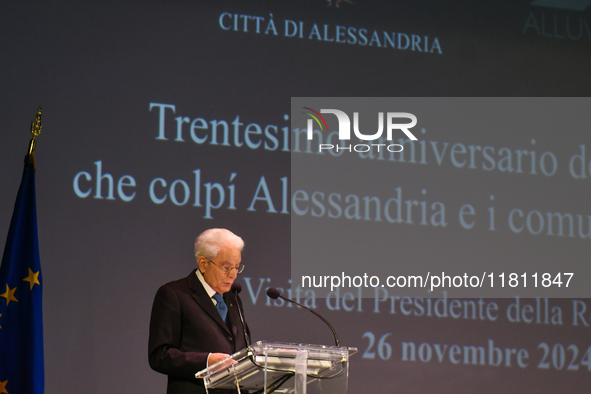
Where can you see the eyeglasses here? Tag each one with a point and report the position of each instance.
(228, 270)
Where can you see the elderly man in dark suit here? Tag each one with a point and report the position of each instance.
(195, 321)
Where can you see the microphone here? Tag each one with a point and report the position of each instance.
(237, 288)
(274, 294)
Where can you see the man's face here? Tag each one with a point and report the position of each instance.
(214, 275)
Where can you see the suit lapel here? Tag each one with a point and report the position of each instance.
(201, 297)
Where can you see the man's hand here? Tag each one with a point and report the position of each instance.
(217, 357)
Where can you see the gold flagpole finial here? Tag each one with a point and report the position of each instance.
(36, 124)
(35, 130)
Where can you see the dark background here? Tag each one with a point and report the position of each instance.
(96, 67)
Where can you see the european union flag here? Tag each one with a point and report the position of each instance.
(21, 320)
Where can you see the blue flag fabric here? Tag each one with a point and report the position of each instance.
(21, 320)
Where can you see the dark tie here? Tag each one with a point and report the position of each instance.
(221, 305)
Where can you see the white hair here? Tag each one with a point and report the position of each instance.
(209, 242)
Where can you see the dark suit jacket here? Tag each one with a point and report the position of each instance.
(184, 328)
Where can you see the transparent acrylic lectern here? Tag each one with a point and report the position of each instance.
(277, 367)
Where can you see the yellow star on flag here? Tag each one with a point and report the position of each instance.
(33, 278)
(3, 387)
(9, 295)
